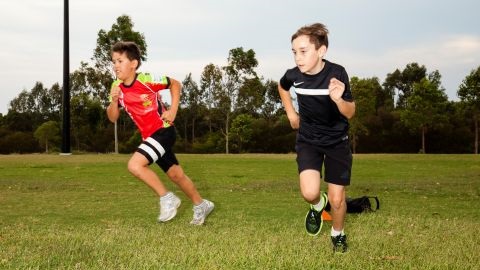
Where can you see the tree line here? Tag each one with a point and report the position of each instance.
(232, 109)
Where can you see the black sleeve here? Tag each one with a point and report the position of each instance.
(347, 94)
(285, 82)
(168, 82)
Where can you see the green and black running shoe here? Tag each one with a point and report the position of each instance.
(339, 243)
(314, 219)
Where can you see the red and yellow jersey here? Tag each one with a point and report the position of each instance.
(142, 101)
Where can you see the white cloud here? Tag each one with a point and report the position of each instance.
(453, 56)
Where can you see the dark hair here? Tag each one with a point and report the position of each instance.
(317, 32)
(130, 48)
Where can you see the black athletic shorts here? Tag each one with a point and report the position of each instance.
(337, 160)
(158, 148)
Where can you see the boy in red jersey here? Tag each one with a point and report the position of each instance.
(138, 94)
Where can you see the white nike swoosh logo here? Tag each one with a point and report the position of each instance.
(297, 84)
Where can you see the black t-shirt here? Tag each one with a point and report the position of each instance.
(321, 123)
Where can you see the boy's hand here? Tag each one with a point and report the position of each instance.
(114, 93)
(336, 89)
(169, 116)
(294, 120)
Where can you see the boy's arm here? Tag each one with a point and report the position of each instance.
(289, 109)
(113, 111)
(347, 108)
(175, 89)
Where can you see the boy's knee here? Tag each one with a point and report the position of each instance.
(176, 173)
(134, 167)
(336, 202)
(310, 196)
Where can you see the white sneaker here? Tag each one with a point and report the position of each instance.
(201, 211)
(168, 207)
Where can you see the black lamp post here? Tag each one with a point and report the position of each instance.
(66, 83)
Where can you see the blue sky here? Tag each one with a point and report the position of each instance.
(369, 38)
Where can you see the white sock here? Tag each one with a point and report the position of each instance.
(336, 233)
(319, 206)
(167, 196)
(200, 204)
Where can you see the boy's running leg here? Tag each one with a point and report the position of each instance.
(336, 196)
(202, 208)
(138, 166)
(176, 174)
(310, 189)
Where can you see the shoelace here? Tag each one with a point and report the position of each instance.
(339, 240)
(198, 212)
(313, 215)
(168, 205)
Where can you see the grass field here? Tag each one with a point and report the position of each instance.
(87, 212)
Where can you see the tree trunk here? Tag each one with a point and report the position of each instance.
(209, 123)
(116, 137)
(226, 133)
(193, 129)
(185, 141)
(354, 143)
(476, 134)
(423, 140)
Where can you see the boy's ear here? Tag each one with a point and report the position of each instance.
(322, 51)
(135, 62)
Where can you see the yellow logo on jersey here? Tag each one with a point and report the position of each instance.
(146, 100)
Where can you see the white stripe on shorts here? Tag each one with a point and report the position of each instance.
(150, 151)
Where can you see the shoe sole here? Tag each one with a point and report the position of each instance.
(174, 212)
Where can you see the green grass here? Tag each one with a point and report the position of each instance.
(87, 212)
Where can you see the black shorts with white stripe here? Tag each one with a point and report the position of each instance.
(158, 148)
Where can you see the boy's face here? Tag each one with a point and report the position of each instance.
(123, 67)
(307, 58)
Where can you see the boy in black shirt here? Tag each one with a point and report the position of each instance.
(325, 104)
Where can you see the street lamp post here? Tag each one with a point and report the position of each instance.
(66, 83)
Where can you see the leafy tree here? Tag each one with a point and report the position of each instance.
(91, 82)
(240, 67)
(425, 106)
(46, 133)
(18, 142)
(251, 96)
(403, 81)
(469, 93)
(53, 105)
(191, 99)
(242, 130)
(87, 118)
(365, 100)
(28, 101)
(36, 106)
(272, 102)
(122, 30)
(210, 83)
